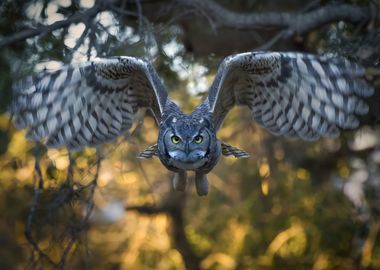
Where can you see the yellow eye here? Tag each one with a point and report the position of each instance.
(198, 139)
(175, 139)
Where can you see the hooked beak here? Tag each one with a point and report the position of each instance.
(187, 148)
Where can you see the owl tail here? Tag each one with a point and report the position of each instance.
(229, 150)
(149, 152)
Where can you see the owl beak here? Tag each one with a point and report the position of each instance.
(187, 148)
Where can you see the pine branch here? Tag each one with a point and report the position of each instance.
(46, 29)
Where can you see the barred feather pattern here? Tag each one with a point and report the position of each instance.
(149, 152)
(87, 104)
(229, 150)
(292, 94)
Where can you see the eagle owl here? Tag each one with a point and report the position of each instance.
(290, 94)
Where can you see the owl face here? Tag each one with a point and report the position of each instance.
(186, 143)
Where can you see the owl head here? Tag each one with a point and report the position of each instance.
(185, 142)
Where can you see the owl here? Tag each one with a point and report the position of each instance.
(290, 94)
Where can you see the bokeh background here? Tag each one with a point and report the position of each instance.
(291, 205)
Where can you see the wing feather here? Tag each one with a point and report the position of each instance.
(87, 104)
(291, 94)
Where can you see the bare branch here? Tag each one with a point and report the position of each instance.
(41, 31)
(144, 24)
(299, 23)
(65, 194)
(147, 209)
(32, 212)
(139, 12)
(284, 34)
(173, 206)
(79, 42)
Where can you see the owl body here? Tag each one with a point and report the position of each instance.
(290, 94)
(188, 142)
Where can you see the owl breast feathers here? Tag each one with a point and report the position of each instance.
(290, 94)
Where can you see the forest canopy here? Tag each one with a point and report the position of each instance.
(291, 205)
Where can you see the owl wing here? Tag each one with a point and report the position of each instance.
(291, 94)
(87, 104)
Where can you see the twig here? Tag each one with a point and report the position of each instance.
(127, 13)
(66, 194)
(70, 169)
(32, 211)
(287, 33)
(173, 206)
(83, 224)
(279, 36)
(149, 35)
(177, 17)
(140, 14)
(79, 42)
(43, 30)
(147, 209)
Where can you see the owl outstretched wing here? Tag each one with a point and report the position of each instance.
(291, 94)
(87, 104)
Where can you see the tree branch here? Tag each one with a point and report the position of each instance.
(173, 207)
(64, 196)
(32, 212)
(299, 23)
(76, 18)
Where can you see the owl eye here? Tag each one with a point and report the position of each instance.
(175, 139)
(198, 139)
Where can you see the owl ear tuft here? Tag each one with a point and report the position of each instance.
(229, 150)
(149, 152)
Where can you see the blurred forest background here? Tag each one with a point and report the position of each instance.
(292, 205)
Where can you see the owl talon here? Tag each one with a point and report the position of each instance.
(180, 181)
(201, 183)
(229, 150)
(149, 152)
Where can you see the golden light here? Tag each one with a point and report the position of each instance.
(265, 186)
(264, 170)
(303, 174)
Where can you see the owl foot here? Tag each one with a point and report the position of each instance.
(149, 152)
(229, 150)
(201, 183)
(180, 181)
